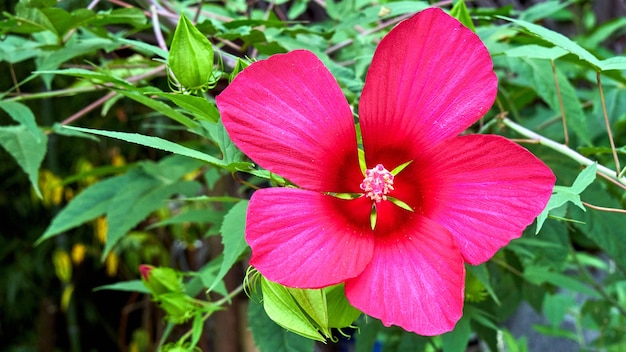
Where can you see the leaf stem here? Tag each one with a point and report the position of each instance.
(220, 302)
(608, 125)
(563, 149)
(561, 106)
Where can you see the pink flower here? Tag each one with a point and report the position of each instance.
(430, 79)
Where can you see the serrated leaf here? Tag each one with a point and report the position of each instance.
(270, 337)
(131, 286)
(154, 142)
(135, 201)
(533, 51)
(21, 114)
(584, 179)
(200, 107)
(231, 154)
(159, 106)
(538, 275)
(561, 195)
(557, 39)
(27, 148)
(284, 311)
(233, 238)
(87, 205)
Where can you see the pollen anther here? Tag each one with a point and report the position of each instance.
(378, 183)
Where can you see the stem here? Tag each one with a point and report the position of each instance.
(563, 149)
(88, 108)
(611, 210)
(157, 28)
(220, 302)
(561, 106)
(597, 287)
(608, 126)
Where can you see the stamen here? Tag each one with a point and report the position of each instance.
(378, 183)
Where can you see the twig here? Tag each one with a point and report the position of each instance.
(563, 149)
(561, 106)
(608, 126)
(157, 28)
(610, 210)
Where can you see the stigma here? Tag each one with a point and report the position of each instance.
(378, 183)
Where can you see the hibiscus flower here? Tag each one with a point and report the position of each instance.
(397, 235)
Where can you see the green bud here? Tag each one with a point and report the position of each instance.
(191, 56)
(177, 305)
(160, 280)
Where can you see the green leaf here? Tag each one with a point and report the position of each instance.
(340, 312)
(270, 337)
(136, 200)
(200, 107)
(481, 273)
(154, 142)
(233, 238)
(131, 286)
(21, 114)
(457, 339)
(281, 307)
(87, 205)
(27, 148)
(555, 307)
(197, 328)
(460, 12)
(538, 275)
(191, 56)
(534, 51)
(557, 39)
(543, 79)
(313, 303)
(159, 106)
(231, 154)
(561, 195)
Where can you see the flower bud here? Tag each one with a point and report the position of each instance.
(160, 280)
(191, 56)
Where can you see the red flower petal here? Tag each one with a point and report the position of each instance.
(430, 79)
(485, 189)
(415, 280)
(306, 239)
(289, 115)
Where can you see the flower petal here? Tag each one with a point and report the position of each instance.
(306, 239)
(485, 190)
(415, 279)
(430, 79)
(289, 115)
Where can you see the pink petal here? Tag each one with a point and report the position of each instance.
(430, 79)
(289, 115)
(306, 239)
(485, 190)
(415, 279)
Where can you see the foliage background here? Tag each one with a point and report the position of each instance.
(174, 211)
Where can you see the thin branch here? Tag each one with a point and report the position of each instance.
(608, 126)
(561, 106)
(156, 26)
(88, 108)
(563, 149)
(610, 210)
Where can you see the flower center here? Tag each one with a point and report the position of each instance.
(377, 183)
